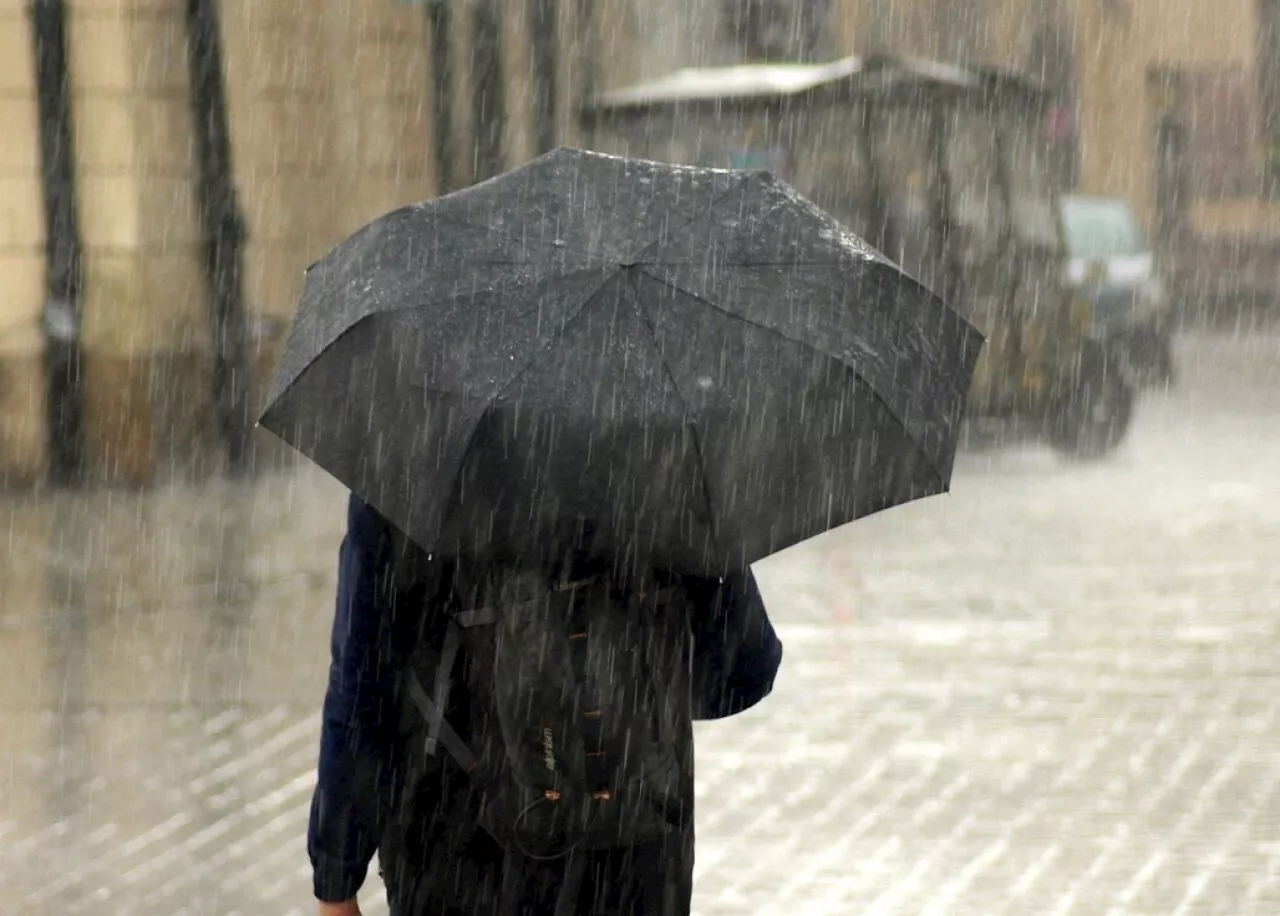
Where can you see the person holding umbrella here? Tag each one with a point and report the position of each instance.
(574, 404)
(433, 858)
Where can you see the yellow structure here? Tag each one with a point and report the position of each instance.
(1134, 62)
(22, 430)
(328, 130)
(329, 114)
(997, 33)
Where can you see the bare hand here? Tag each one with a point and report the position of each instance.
(349, 908)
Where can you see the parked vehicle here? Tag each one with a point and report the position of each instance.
(1110, 263)
(943, 168)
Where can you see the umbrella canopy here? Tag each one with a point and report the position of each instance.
(701, 363)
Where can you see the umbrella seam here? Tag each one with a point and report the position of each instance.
(512, 237)
(711, 205)
(762, 176)
(471, 436)
(843, 360)
(697, 438)
(563, 330)
(405, 308)
(719, 198)
(840, 263)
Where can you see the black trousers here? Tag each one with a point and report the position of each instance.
(475, 877)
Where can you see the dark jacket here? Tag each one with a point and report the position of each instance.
(736, 657)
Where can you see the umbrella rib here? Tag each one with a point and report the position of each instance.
(666, 236)
(724, 311)
(750, 264)
(684, 405)
(407, 308)
(567, 275)
(556, 339)
(764, 327)
(471, 436)
(512, 237)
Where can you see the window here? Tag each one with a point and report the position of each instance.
(1206, 127)
(777, 29)
(1100, 229)
(832, 169)
(1222, 132)
(902, 137)
(978, 215)
(1032, 174)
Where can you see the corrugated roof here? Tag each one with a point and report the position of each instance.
(742, 81)
(765, 81)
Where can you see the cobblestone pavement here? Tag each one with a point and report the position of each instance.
(1054, 691)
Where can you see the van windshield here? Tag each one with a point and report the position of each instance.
(1098, 229)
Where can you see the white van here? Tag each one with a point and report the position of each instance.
(1111, 264)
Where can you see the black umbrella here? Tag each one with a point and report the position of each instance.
(702, 363)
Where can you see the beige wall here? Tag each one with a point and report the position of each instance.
(329, 129)
(1118, 46)
(328, 107)
(22, 445)
(994, 33)
(1116, 54)
(142, 295)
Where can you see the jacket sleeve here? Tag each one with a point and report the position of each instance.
(360, 712)
(736, 651)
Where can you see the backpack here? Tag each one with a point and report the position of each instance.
(576, 687)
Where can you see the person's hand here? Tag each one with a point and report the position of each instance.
(348, 908)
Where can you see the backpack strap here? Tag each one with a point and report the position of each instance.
(444, 681)
(432, 705)
(440, 731)
(482, 616)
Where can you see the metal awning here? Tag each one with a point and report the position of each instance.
(695, 84)
(765, 83)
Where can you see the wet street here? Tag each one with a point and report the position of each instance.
(1056, 690)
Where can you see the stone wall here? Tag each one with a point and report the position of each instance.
(329, 129)
(330, 122)
(994, 33)
(22, 438)
(1120, 48)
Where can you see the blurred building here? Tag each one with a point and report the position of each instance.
(330, 111)
(340, 110)
(1178, 108)
(1173, 106)
(328, 129)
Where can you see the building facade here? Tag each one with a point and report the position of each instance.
(328, 129)
(340, 110)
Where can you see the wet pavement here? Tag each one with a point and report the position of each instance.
(1055, 691)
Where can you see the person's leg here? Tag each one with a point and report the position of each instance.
(451, 876)
(652, 879)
